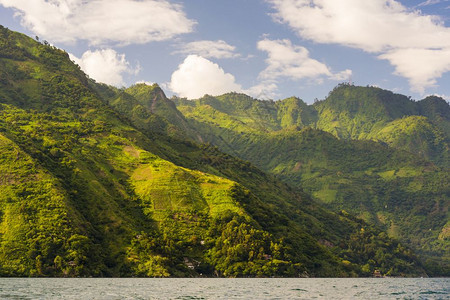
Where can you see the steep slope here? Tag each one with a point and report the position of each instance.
(84, 192)
(156, 102)
(294, 112)
(369, 113)
(418, 135)
(349, 112)
(353, 112)
(437, 110)
(139, 113)
(37, 219)
(396, 189)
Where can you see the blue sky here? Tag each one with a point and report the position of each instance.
(270, 49)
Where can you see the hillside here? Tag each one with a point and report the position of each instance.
(349, 112)
(369, 113)
(93, 183)
(386, 159)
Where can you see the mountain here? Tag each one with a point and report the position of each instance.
(349, 112)
(369, 113)
(95, 183)
(373, 153)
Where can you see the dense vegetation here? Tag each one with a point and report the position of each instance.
(385, 158)
(98, 181)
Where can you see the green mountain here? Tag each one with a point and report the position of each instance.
(368, 113)
(385, 158)
(95, 183)
(349, 112)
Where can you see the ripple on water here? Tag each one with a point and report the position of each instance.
(209, 288)
(433, 293)
(301, 290)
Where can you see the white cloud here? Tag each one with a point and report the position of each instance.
(144, 82)
(105, 66)
(383, 27)
(421, 66)
(266, 90)
(209, 49)
(373, 25)
(197, 76)
(101, 22)
(294, 62)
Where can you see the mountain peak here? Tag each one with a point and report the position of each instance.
(94, 184)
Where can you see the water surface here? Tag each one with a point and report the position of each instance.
(220, 288)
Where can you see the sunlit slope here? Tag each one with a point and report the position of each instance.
(397, 178)
(36, 216)
(85, 193)
(90, 189)
(369, 113)
(128, 211)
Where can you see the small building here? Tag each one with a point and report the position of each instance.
(190, 264)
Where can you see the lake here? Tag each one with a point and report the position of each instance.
(221, 288)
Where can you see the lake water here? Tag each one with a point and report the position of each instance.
(220, 288)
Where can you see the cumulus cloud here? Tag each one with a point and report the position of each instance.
(383, 27)
(373, 25)
(105, 66)
(421, 66)
(209, 49)
(294, 62)
(100, 22)
(198, 76)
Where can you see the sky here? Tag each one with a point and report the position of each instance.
(269, 49)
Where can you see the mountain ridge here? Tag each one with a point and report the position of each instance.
(94, 185)
(410, 152)
(98, 185)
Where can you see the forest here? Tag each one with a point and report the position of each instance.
(101, 181)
